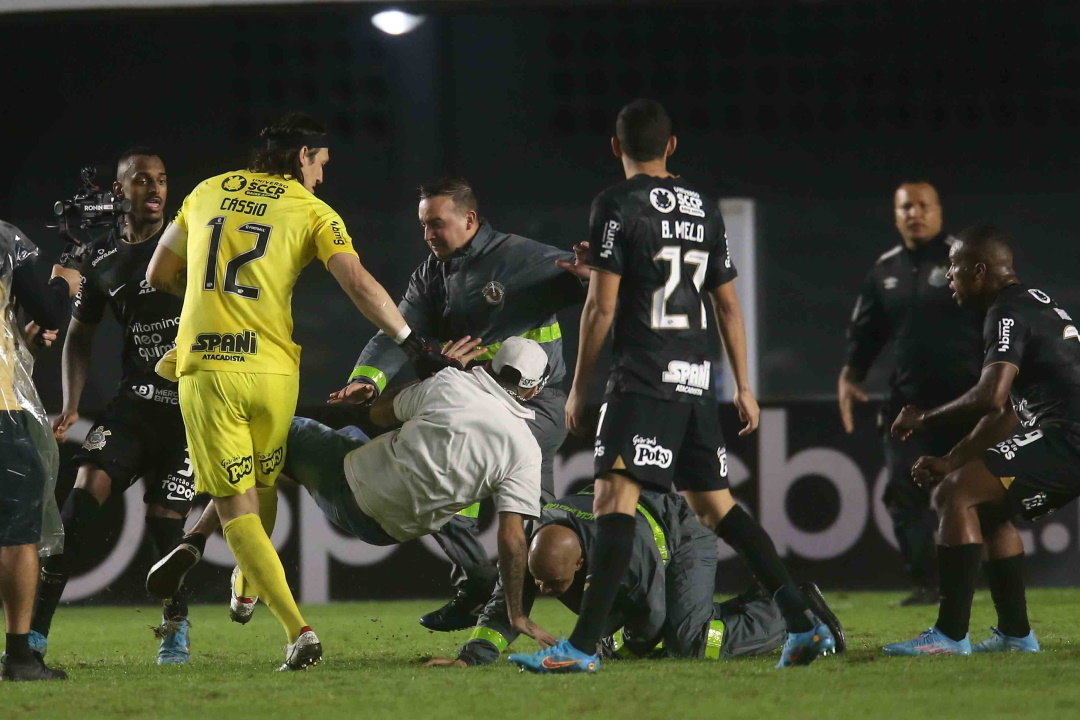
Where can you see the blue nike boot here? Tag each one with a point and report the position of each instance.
(1000, 642)
(562, 657)
(805, 647)
(931, 642)
(175, 648)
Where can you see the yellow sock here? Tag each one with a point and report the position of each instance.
(259, 561)
(268, 502)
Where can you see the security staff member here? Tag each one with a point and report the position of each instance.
(487, 284)
(906, 299)
(664, 606)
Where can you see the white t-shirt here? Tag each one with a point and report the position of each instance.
(464, 439)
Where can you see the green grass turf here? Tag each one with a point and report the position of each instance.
(372, 670)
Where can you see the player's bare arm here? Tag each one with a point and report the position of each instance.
(596, 319)
(78, 346)
(513, 560)
(382, 410)
(369, 296)
(988, 401)
(729, 320)
(167, 271)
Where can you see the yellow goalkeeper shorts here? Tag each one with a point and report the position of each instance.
(237, 425)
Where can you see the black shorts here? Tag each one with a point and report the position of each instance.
(139, 438)
(1040, 470)
(22, 480)
(662, 443)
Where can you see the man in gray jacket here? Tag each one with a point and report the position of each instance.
(481, 283)
(664, 606)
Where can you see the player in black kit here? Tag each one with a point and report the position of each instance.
(1031, 372)
(659, 253)
(141, 433)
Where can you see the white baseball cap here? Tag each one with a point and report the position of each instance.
(526, 361)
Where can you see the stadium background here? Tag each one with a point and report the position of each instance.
(813, 109)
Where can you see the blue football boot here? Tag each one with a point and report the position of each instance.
(175, 648)
(38, 643)
(562, 657)
(931, 642)
(805, 647)
(1000, 642)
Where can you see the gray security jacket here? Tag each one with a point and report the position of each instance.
(497, 286)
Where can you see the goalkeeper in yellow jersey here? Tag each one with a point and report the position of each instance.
(234, 252)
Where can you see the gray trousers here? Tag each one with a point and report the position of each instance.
(472, 571)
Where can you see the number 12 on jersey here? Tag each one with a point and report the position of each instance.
(660, 317)
(232, 267)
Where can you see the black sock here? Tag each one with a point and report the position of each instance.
(166, 533)
(79, 514)
(958, 566)
(199, 543)
(750, 540)
(610, 558)
(18, 646)
(1006, 580)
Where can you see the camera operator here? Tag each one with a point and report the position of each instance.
(28, 455)
(141, 433)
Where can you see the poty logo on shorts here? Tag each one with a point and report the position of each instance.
(269, 461)
(648, 452)
(238, 468)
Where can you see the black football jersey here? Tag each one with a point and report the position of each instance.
(1026, 328)
(666, 239)
(114, 275)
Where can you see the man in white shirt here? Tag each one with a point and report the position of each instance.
(464, 438)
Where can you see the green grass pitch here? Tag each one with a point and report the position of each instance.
(372, 670)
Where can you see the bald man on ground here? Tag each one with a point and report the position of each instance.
(664, 606)
(905, 299)
(1031, 372)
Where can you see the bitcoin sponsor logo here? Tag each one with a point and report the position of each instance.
(648, 452)
(234, 183)
(494, 292)
(268, 462)
(238, 468)
(244, 343)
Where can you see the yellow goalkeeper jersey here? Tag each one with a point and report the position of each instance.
(248, 236)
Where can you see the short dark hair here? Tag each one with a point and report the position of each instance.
(643, 128)
(284, 160)
(987, 242)
(456, 188)
(133, 152)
